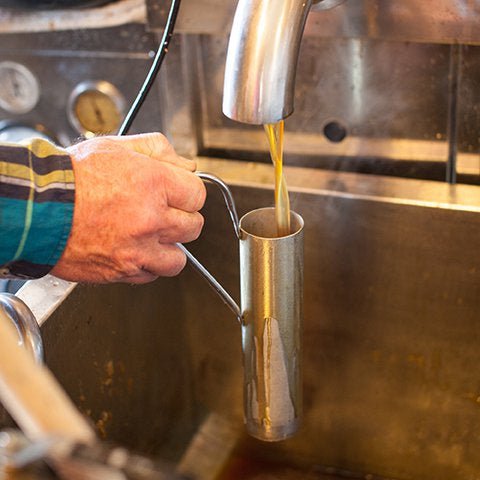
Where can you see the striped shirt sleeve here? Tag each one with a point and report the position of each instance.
(37, 193)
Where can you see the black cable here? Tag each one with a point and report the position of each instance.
(154, 69)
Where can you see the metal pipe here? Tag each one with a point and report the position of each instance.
(213, 282)
(17, 312)
(262, 59)
(196, 264)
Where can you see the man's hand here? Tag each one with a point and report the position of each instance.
(134, 199)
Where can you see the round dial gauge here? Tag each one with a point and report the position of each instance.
(20, 91)
(96, 108)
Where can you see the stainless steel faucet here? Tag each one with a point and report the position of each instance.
(262, 58)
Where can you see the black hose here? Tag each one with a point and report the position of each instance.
(154, 69)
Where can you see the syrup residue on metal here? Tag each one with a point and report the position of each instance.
(279, 407)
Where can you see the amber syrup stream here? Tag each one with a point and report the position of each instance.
(274, 133)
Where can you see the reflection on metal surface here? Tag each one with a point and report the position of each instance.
(350, 185)
(434, 21)
(373, 19)
(443, 21)
(313, 144)
(271, 277)
(390, 99)
(45, 295)
(395, 149)
(326, 4)
(262, 60)
(210, 448)
(378, 90)
(18, 313)
(468, 104)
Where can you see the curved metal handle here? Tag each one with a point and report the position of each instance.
(213, 282)
(227, 196)
(17, 312)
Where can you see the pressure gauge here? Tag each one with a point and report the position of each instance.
(96, 108)
(20, 91)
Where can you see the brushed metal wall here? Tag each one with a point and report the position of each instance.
(431, 21)
(397, 79)
(392, 279)
(405, 109)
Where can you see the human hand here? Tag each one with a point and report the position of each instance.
(134, 199)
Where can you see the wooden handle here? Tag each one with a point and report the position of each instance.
(32, 395)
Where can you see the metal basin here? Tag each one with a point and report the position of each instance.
(392, 281)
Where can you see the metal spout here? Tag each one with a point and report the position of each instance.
(262, 60)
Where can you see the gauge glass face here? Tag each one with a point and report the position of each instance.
(96, 112)
(20, 91)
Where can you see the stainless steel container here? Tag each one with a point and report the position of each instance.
(271, 278)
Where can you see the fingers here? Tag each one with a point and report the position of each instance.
(168, 262)
(156, 146)
(185, 191)
(180, 226)
(135, 198)
(163, 260)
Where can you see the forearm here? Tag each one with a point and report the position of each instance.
(36, 207)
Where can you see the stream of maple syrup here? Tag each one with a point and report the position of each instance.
(275, 135)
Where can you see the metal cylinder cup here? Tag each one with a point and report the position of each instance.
(271, 276)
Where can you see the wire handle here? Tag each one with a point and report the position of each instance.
(232, 210)
(227, 196)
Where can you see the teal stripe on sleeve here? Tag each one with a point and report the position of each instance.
(12, 221)
(47, 235)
